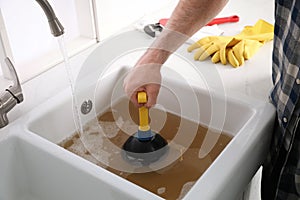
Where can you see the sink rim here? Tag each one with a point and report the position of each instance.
(260, 108)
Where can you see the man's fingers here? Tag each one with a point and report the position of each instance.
(151, 102)
(152, 93)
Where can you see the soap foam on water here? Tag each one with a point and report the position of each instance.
(186, 187)
(171, 182)
(161, 190)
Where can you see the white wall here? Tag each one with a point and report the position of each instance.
(28, 30)
(33, 49)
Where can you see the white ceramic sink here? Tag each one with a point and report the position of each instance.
(34, 169)
(249, 122)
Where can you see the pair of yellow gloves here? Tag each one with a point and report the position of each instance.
(234, 49)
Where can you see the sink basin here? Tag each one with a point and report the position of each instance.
(184, 93)
(34, 169)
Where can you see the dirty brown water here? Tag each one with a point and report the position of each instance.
(171, 182)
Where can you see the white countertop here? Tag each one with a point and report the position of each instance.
(252, 79)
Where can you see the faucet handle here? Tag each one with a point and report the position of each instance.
(15, 89)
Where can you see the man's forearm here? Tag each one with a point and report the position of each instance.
(191, 15)
(187, 18)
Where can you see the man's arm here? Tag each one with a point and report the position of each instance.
(190, 15)
(187, 18)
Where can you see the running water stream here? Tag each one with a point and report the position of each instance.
(71, 79)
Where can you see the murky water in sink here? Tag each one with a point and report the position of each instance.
(171, 182)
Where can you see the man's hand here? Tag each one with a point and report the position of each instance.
(145, 78)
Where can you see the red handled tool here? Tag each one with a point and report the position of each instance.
(221, 20)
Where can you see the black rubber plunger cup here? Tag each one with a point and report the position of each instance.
(145, 146)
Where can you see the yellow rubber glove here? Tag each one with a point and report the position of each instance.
(237, 52)
(234, 49)
(262, 31)
(210, 45)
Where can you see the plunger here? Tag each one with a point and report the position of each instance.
(144, 146)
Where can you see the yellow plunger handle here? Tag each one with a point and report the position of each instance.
(143, 112)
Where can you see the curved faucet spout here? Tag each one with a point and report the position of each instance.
(56, 27)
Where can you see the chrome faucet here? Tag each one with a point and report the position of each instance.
(13, 95)
(56, 28)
